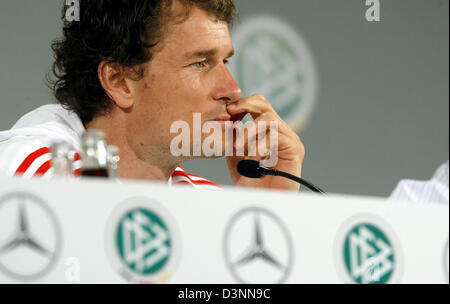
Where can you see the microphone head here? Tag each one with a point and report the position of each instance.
(249, 168)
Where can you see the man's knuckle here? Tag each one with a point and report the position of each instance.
(259, 96)
(301, 148)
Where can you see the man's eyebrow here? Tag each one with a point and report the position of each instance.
(206, 53)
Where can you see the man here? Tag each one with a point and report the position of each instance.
(133, 68)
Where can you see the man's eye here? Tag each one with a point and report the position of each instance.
(201, 64)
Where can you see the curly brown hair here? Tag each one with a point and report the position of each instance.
(121, 31)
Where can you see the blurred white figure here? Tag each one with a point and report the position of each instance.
(434, 190)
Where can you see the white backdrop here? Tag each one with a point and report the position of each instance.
(76, 224)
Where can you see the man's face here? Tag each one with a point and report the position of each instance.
(187, 74)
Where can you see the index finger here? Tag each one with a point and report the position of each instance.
(255, 105)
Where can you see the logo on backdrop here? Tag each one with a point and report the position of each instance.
(30, 239)
(272, 59)
(258, 248)
(143, 241)
(368, 251)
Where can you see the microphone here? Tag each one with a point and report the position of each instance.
(253, 169)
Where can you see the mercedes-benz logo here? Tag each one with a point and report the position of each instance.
(258, 247)
(30, 238)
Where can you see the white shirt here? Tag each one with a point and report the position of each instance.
(25, 148)
(435, 190)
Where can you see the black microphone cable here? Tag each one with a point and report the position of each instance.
(299, 180)
(253, 169)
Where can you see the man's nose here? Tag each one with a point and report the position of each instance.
(227, 89)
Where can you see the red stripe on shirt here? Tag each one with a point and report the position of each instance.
(183, 182)
(30, 159)
(196, 182)
(43, 168)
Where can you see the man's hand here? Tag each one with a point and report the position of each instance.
(290, 149)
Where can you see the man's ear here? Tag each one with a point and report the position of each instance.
(115, 84)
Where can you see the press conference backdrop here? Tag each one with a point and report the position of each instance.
(373, 97)
(133, 232)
